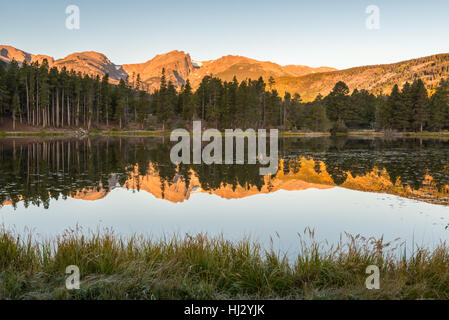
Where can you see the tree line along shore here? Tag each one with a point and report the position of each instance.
(35, 98)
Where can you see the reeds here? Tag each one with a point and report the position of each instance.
(202, 267)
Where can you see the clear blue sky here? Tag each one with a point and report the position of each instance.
(314, 33)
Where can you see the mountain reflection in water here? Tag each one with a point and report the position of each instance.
(36, 171)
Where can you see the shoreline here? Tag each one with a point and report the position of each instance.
(146, 133)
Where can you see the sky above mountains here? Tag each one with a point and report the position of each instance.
(314, 33)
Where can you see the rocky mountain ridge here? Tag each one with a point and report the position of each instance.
(307, 81)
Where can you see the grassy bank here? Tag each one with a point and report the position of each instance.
(43, 134)
(213, 268)
(356, 133)
(146, 133)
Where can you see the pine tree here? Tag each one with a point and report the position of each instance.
(274, 107)
(12, 90)
(439, 107)
(89, 100)
(15, 106)
(318, 117)
(384, 113)
(337, 102)
(354, 112)
(188, 102)
(396, 105)
(271, 82)
(165, 101)
(137, 87)
(105, 98)
(44, 93)
(202, 94)
(141, 107)
(286, 105)
(54, 92)
(403, 114)
(3, 95)
(420, 105)
(121, 101)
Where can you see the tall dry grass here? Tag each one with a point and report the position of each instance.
(202, 267)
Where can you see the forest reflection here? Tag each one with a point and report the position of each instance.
(36, 171)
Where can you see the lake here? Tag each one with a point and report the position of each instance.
(368, 186)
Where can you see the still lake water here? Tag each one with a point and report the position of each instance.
(367, 186)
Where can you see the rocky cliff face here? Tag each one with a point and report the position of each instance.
(307, 81)
(177, 64)
(8, 53)
(93, 64)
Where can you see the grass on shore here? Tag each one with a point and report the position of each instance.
(199, 267)
(26, 134)
(148, 133)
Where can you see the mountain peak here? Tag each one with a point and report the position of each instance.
(92, 63)
(177, 64)
(89, 54)
(8, 53)
(306, 81)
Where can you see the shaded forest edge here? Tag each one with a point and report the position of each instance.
(38, 100)
(201, 267)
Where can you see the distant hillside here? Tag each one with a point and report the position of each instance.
(376, 78)
(303, 70)
(243, 68)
